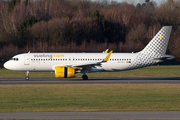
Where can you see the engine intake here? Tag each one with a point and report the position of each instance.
(64, 72)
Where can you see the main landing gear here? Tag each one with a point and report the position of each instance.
(84, 77)
(27, 75)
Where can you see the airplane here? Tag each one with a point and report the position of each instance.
(66, 65)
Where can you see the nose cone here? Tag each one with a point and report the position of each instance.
(7, 65)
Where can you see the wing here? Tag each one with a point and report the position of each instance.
(92, 64)
(87, 65)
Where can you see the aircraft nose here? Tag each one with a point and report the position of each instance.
(7, 65)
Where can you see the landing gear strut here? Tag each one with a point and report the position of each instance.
(27, 75)
(84, 77)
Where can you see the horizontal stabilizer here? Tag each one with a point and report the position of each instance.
(164, 58)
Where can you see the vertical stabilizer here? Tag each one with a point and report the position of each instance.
(159, 43)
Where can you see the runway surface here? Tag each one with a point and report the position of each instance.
(142, 80)
(93, 115)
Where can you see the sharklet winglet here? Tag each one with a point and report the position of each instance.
(108, 56)
(106, 51)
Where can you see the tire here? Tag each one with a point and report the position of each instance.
(85, 77)
(26, 78)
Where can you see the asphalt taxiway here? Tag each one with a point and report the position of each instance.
(138, 80)
(93, 115)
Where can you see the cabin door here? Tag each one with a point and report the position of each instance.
(26, 60)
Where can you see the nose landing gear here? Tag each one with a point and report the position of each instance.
(27, 75)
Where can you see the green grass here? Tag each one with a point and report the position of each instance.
(100, 97)
(153, 71)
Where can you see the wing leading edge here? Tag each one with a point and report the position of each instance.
(91, 64)
(87, 65)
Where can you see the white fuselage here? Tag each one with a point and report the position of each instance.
(46, 61)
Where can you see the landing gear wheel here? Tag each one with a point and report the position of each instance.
(27, 75)
(85, 77)
(27, 78)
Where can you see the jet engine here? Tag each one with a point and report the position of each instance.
(64, 72)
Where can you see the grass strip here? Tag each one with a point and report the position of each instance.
(99, 97)
(152, 71)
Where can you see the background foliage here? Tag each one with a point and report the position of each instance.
(82, 25)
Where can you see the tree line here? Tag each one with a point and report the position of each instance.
(84, 26)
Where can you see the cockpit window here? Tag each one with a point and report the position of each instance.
(15, 59)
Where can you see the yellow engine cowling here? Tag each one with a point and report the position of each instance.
(64, 72)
